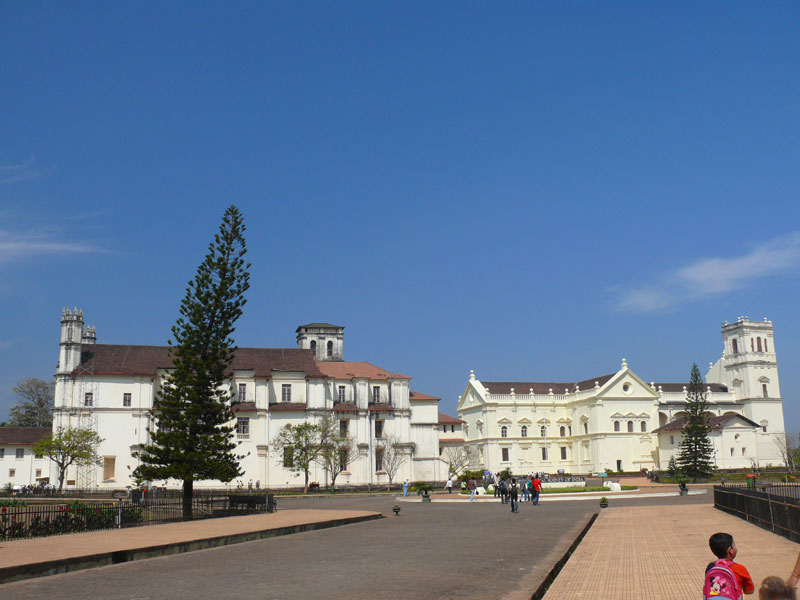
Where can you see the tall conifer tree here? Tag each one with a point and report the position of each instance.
(193, 434)
(696, 458)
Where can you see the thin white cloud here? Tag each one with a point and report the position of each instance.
(23, 172)
(16, 246)
(710, 276)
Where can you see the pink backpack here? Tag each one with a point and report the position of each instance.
(721, 582)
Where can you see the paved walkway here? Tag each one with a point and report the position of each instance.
(661, 552)
(77, 549)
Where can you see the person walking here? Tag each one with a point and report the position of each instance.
(449, 486)
(405, 488)
(537, 487)
(471, 485)
(513, 494)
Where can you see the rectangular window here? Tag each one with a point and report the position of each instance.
(764, 428)
(619, 465)
(544, 453)
(672, 440)
(12, 473)
(563, 453)
(379, 459)
(764, 389)
(109, 464)
(505, 454)
(38, 473)
(376, 393)
(379, 429)
(20, 452)
(243, 428)
(242, 392)
(343, 427)
(288, 457)
(341, 393)
(88, 399)
(732, 451)
(744, 450)
(286, 392)
(126, 399)
(2, 452)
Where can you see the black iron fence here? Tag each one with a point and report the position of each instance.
(21, 520)
(775, 507)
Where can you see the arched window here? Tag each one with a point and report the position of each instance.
(585, 428)
(330, 349)
(543, 431)
(765, 345)
(314, 347)
(504, 431)
(524, 431)
(752, 345)
(630, 426)
(644, 427)
(735, 347)
(758, 344)
(616, 425)
(562, 431)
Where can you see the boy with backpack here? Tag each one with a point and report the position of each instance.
(724, 577)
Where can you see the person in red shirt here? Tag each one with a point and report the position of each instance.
(537, 486)
(723, 547)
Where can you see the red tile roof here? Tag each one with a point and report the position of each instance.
(715, 422)
(287, 407)
(345, 407)
(244, 407)
(109, 359)
(417, 396)
(380, 407)
(356, 370)
(451, 440)
(448, 420)
(22, 436)
(539, 387)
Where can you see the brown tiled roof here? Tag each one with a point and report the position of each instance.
(451, 441)
(356, 370)
(380, 407)
(715, 422)
(539, 387)
(109, 359)
(287, 407)
(417, 396)
(678, 387)
(22, 436)
(448, 420)
(244, 407)
(345, 407)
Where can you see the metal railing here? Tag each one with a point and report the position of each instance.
(775, 507)
(55, 518)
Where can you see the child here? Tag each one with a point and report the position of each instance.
(774, 588)
(725, 578)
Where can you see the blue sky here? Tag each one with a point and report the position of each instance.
(531, 191)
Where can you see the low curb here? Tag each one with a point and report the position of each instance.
(77, 563)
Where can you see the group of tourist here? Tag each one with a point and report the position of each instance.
(510, 490)
(726, 578)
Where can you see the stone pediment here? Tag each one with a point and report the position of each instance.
(543, 421)
(565, 420)
(504, 421)
(524, 421)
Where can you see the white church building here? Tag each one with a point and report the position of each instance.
(620, 422)
(111, 388)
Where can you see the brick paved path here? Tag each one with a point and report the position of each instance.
(660, 552)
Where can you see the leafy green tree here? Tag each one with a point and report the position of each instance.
(672, 466)
(193, 437)
(696, 452)
(69, 446)
(337, 450)
(34, 405)
(300, 446)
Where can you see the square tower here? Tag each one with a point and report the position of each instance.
(324, 339)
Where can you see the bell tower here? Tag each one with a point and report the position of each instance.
(750, 365)
(69, 354)
(326, 340)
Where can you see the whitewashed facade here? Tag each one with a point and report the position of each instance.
(110, 388)
(621, 422)
(19, 466)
